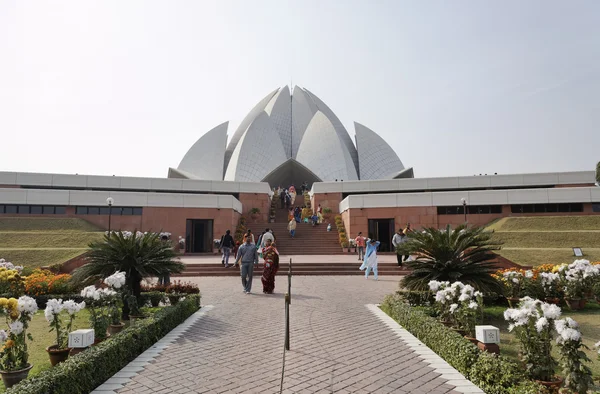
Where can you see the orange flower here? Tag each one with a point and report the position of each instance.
(9, 343)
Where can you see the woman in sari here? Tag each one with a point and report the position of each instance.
(271, 256)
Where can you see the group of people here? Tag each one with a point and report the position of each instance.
(247, 256)
(295, 216)
(369, 256)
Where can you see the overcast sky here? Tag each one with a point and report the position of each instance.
(455, 87)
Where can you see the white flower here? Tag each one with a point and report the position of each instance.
(116, 280)
(72, 307)
(27, 305)
(453, 307)
(529, 274)
(560, 325)
(440, 297)
(570, 334)
(511, 327)
(572, 323)
(434, 285)
(515, 280)
(88, 292)
(3, 335)
(53, 308)
(478, 294)
(464, 297)
(551, 311)
(16, 327)
(473, 305)
(541, 324)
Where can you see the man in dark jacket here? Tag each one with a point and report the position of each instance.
(226, 245)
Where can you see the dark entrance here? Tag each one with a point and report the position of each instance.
(382, 230)
(291, 173)
(198, 235)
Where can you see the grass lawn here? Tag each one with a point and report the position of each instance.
(588, 319)
(46, 224)
(35, 258)
(541, 239)
(547, 223)
(48, 239)
(533, 257)
(42, 338)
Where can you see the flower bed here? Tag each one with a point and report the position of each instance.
(87, 370)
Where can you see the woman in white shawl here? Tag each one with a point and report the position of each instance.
(370, 259)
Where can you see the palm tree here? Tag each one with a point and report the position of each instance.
(464, 254)
(138, 255)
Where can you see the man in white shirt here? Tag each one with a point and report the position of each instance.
(399, 238)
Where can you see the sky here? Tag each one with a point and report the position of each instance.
(455, 87)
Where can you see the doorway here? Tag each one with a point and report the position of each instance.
(198, 235)
(382, 230)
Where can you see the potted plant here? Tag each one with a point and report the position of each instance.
(551, 285)
(59, 352)
(98, 302)
(117, 283)
(512, 281)
(217, 246)
(177, 290)
(327, 213)
(181, 244)
(578, 376)
(445, 296)
(352, 243)
(134, 310)
(344, 245)
(532, 324)
(254, 214)
(14, 357)
(156, 297)
(469, 311)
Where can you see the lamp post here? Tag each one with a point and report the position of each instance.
(110, 202)
(464, 203)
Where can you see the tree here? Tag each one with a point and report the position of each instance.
(598, 174)
(464, 254)
(139, 255)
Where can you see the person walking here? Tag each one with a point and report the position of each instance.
(250, 236)
(226, 245)
(292, 227)
(398, 239)
(282, 198)
(248, 256)
(360, 245)
(271, 256)
(267, 236)
(370, 262)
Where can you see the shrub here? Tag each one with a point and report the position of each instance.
(464, 254)
(327, 210)
(87, 370)
(494, 374)
(254, 211)
(11, 282)
(42, 300)
(153, 297)
(179, 287)
(416, 298)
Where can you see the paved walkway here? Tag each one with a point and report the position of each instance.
(298, 259)
(337, 343)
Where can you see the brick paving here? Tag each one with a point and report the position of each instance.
(337, 344)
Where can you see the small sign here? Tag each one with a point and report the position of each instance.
(487, 334)
(578, 252)
(81, 338)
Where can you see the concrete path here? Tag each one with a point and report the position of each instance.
(304, 259)
(338, 344)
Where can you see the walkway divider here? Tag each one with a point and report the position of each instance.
(288, 301)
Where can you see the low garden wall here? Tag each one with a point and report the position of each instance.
(85, 371)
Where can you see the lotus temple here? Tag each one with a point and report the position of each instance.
(290, 137)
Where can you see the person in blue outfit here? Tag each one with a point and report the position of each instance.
(370, 260)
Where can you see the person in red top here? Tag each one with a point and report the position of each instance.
(360, 245)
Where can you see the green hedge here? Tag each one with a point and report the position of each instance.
(493, 374)
(84, 372)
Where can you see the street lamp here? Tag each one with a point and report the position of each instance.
(464, 203)
(110, 202)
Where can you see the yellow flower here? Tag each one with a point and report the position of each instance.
(3, 302)
(12, 303)
(14, 314)
(9, 343)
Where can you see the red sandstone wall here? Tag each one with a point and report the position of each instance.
(327, 200)
(256, 200)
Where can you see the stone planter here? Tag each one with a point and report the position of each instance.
(57, 355)
(10, 378)
(553, 385)
(574, 304)
(115, 328)
(513, 301)
(345, 250)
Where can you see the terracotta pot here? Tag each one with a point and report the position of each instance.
(574, 304)
(554, 300)
(173, 299)
(345, 250)
(582, 303)
(57, 355)
(474, 341)
(115, 328)
(10, 378)
(513, 301)
(553, 385)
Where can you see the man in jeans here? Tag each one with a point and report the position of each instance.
(360, 245)
(226, 245)
(248, 254)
